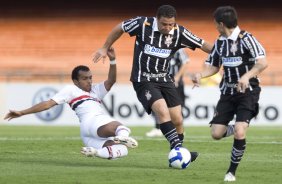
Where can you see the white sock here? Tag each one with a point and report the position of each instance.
(230, 130)
(122, 131)
(112, 152)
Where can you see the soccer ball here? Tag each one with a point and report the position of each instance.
(179, 158)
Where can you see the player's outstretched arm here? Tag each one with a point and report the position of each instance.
(113, 36)
(207, 47)
(34, 109)
(207, 72)
(112, 75)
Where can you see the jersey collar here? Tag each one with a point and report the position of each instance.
(155, 27)
(234, 35)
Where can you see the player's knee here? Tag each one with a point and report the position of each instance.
(177, 121)
(163, 115)
(216, 135)
(239, 134)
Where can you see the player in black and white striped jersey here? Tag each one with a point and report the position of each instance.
(157, 39)
(178, 68)
(242, 58)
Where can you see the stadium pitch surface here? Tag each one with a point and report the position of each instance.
(45, 154)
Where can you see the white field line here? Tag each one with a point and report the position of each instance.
(200, 139)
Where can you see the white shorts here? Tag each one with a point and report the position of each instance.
(89, 128)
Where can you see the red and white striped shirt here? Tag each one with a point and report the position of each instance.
(85, 104)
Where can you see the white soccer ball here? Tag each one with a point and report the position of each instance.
(179, 158)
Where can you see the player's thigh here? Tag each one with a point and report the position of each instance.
(224, 111)
(248, 106)
(170, 94)
(108, 130)
(90, 127)
(147, 93)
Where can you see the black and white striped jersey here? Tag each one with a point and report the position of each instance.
(237, 54)
(179, 59)
(153, 50)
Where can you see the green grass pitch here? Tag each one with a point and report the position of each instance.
(45, 154)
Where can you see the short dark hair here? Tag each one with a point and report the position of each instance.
(227, 15)
(167, 11)
(75, 71)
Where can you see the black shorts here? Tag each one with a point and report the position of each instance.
(243, 105)
(149, 92)
(181, 93)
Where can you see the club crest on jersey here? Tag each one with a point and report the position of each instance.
(168, 40)
(148, 95)
(233, 48)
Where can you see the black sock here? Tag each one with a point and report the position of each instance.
(157, 125)
(181, 137)
(169, 131)
(237, 153)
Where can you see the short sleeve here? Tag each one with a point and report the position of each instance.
(189, 40)
(63, 96)
(255, 48)
(100, 90)
(133, 26)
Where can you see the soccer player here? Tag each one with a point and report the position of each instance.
(157, 39)
(103, 136)
(242, 58)
(178, 67)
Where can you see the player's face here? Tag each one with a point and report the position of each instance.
(84, 81)
(219, 27)
(165, 24)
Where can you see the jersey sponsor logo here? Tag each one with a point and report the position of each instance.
(151, 50)
(232, 61)
(191, 35)
(153, 75)
(126, 28)
(231, 85)
(51, 114)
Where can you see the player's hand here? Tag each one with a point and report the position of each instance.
(176, 81)
(13, 114)
(243, 84)
(111, 54)
(100, 54)
(196, 78)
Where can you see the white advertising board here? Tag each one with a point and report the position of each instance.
(122, 104)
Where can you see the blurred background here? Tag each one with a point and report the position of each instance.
(42, 41)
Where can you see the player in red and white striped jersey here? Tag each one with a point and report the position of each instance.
(102, 135)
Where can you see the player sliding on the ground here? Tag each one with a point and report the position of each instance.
(103, 136)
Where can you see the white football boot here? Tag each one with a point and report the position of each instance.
(229, 177)
(127, 141)
(154, 133)
(88, 151)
